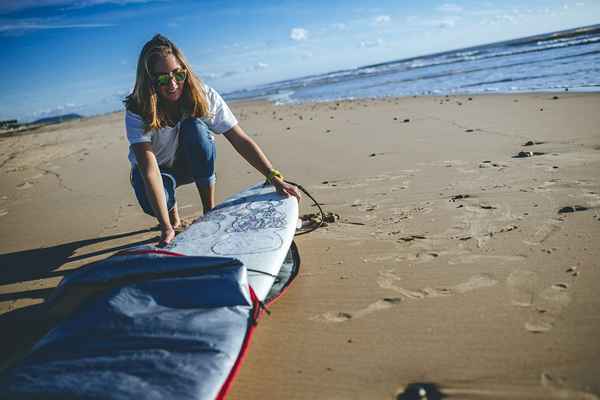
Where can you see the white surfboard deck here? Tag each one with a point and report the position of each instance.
(256, 226)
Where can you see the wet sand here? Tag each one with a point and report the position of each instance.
(462, 257)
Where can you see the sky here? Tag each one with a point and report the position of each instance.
(79, 56)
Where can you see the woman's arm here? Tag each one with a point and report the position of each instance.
(148, 166)
(248, 149)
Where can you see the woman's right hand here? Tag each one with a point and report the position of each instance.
(167, 234)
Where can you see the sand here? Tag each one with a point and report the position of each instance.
(455, 261)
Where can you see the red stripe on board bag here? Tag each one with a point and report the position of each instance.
(247, 339)
(149, 251)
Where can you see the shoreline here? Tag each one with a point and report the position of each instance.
(451, 262)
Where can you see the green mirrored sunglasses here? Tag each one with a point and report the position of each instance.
(165, 79)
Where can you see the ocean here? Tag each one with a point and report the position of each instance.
(565, 60)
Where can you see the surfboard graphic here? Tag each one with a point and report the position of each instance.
(256, 226)
(169, 323)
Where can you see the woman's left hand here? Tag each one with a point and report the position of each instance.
(285, 188)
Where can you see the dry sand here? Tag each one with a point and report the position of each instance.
(451, 263)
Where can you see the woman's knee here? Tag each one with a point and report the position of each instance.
(194, 130)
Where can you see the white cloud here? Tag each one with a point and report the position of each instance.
(9, 6)
(450, 8)
(382, 19)
(298, 34)
(58, 110)
(227, 74)
(36, 25)
(371, 43)
(447, 24)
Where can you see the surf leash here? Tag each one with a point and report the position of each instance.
(273, 173)
(316, 203)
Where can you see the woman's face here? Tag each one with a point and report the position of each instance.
(173, 90)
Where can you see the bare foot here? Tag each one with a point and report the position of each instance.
(166, 236)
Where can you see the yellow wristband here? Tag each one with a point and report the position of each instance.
(272, 174)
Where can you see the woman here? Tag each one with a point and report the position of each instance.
(169, 119)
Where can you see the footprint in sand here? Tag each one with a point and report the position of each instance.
(3, 213)
(24, 185)
(548, 228)
(546, 305)
(388, 280)
(379, 305)
(521, 286)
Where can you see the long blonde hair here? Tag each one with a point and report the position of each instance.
(145, 101)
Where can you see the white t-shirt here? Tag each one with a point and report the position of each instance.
(165, 140)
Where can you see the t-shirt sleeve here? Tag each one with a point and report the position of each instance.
(222, 119)
(134, 128)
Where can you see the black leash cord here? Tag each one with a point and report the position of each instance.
(316, 203)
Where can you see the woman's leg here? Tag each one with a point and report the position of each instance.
(174, 217)
(137, 182)
(197, 147)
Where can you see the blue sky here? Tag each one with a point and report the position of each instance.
(80, 56)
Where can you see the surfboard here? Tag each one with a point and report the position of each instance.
(166, 323)
(255, 226)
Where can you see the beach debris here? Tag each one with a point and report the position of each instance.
(488, 207)
(470, 99)
(525, 154)
(560, 286)
(406, 120)
(331, 217)
(469, 130)
(420, 391)
(554, 97)
(570, 209)
(459, 197)
(372, 154)
(541, 109)
(327, 130)
(508, 228)
(410, 238)
(572, 271)
(309, 220)
(531, 143)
